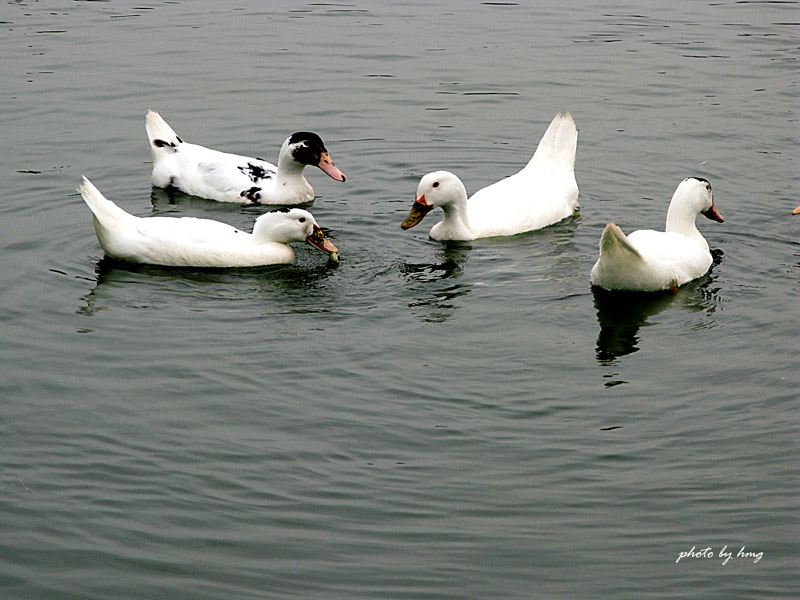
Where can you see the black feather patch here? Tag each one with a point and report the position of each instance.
(310, 149)
(163, 144)
(307, 136)
(253, 194)
(256, 172)
(282, 209)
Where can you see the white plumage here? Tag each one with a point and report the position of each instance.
(542, 193)
(649, 260)
(193, 242)
(227, 177)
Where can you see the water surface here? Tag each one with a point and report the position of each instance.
(427, 420)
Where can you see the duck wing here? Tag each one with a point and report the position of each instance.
(531, 199)
(194, 231)
(219, 175)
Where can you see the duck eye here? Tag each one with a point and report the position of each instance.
(302, 219)
(435, 184)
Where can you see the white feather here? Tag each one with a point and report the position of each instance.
(649, 260)
(542, 193)
(193, 242)
(226, 177)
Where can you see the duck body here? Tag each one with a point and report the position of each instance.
(542, 193)
(649, 260)
(193, 242)
(225, 177)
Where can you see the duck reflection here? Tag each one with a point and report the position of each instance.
(173, 202)
(120, 283)
(165, 199)
(436, 285)
(621, 314)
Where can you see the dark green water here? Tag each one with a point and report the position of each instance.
(426, 421)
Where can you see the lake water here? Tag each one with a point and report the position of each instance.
(426, 421)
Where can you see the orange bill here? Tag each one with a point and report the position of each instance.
(319, 241)
(326, 164)
(712, 214)
(418, 212)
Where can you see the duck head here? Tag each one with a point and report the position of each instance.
(440, 188)
(286, 225)
(698, 192)
(307, 148)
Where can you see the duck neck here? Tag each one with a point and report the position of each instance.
(681, 219)
(262, 231)
(289, 170)
(455, 224)
(290, 185)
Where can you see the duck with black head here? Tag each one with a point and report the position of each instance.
(225, 177)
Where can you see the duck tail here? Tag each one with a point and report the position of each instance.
(615, 244)
(102, 208)
(163, 140)
(558, 144)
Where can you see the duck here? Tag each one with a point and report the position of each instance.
(195, 242)
(224, 177)
(649, 261)
(542, 193)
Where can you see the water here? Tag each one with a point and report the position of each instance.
(425, 421)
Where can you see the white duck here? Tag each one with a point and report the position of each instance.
(192, 242)
(648, 260)
(226, 177)
(542, 193)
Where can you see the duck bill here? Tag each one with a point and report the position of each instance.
(326, 164)
(796, 211)
(712, 214)
(418, 212)
(319, 241)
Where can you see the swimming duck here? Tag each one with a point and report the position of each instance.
(542, 193)
(648, 260)
(227, 177)
(192, 242)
